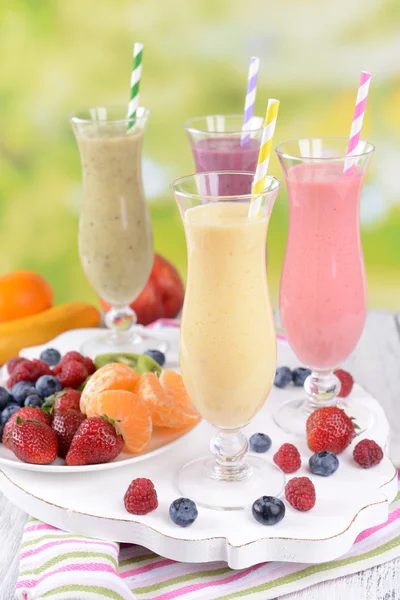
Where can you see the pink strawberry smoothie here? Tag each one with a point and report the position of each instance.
(323, 288)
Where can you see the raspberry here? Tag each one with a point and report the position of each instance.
(73, 356)
(300, 493)
(57, 369)
(346, 382)
(288, 458)
(140, 497)
(28, 370)
(13, 362)
(89, 364)
(367, 454)
(73, 373)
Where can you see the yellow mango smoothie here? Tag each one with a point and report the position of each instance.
(228, 343)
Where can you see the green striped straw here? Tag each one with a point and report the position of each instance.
(135, 83)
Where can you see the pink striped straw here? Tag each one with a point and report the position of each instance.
(358, 118)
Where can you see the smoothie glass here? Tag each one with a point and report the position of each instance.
(323, 294)
(115, 236)
(228, 343)
(218, 144)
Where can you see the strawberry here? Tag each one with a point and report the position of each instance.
(346, 382)
(73, 373)
(329, 429)
(95, 442)
(68, 399)
(34, 442)
(65, 424)
(27, 412)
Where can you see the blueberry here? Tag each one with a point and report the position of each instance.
(283, 377)
(33, 400)
(156, 355)
(8, 411)
(268, 510)
(5, 398)
(51, 356)
(183, 512)
(324, 463)
(299, 376)
(21, 390)
(47, 385)
(1, 431)
(260, 442)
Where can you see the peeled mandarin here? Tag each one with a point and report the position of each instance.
(131, 415)
(114, 376)
(165, 409)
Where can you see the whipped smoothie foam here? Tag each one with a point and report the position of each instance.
(228, 345)
(115, 238)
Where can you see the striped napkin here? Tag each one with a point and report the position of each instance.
(56, 564)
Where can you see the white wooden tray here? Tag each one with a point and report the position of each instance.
(92, 503)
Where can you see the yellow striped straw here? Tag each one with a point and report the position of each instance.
(263, 156)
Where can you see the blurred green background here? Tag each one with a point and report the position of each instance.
(59, 55)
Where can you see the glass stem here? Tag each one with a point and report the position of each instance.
(229, 449)
(119, 321)
(322, 388)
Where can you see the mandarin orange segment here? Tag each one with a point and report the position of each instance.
(132, 417)
(173, 385)
(164, 409)
(114, 376)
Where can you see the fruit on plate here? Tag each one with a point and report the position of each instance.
(161, 297)
(65, 425)
(47, 385)
(23, 293)
(167, 400)
(39, 329)
(142, 363)
(183, 512)
(260, 442)
(22, 390)
(68, 399)
(156, 355)
(288, 458)
(367, 454)
(346, 382)
(32, 413)
(113, 376)
(300, 493)
(141, 497)
(96, 441)
(51, 356)
(28, 370)
(268, 510)
(124, 358)
(131, 415)
(33, 442)
(323, 463)
(5, 398)
(331, 429)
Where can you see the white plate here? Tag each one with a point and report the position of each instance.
(161, 440)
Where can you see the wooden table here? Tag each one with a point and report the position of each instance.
(376, 365)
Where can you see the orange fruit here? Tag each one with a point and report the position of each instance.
(22, 294)
(169, 406)
(132, 417)
(114, 376)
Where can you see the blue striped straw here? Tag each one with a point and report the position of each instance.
(250, 98)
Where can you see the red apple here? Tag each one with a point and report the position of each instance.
(162, 296)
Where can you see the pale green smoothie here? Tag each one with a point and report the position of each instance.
(115, 237)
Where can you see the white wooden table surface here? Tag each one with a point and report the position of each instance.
(376, 365)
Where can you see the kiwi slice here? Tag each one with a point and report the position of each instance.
(146, 364)
(124, 358)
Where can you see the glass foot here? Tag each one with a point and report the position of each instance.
(292, 416)
(258, 478)
(121, 342)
